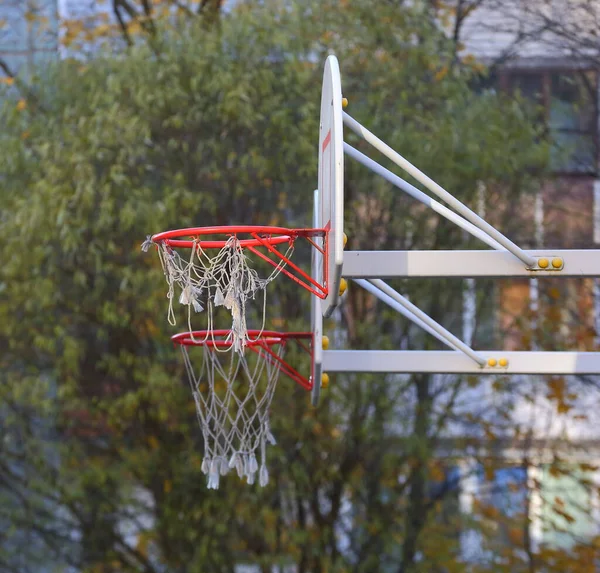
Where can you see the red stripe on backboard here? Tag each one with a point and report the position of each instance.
(327, 140)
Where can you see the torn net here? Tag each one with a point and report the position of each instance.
(225, 279)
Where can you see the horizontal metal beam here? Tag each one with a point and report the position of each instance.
(451, 362)
(407, 264)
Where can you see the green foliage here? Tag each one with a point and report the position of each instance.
(219, 126)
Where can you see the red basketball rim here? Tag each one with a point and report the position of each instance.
(260, 235)
(261, 342)
(218, 338)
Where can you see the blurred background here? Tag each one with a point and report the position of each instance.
(124, 118)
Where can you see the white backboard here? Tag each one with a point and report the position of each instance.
(331, 179)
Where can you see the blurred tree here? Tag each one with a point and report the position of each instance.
(218, 125)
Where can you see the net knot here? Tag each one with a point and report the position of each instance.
(147, 243)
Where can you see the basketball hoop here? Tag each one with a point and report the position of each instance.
(227, 279)
(233, 394)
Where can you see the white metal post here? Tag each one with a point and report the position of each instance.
(421, 197)
(402, 310)
(416, 311)
(438, 190)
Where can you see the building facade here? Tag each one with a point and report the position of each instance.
(29, 34)
(547, 53)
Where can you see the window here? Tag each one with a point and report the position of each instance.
(568, 107)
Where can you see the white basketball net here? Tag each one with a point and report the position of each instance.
(232, 402)
(225, 279)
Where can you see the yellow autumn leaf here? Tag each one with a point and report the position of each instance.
(557, 389)
(563, 408)
(566, 516)
(134, 27)
(142, 543)
(437, 473)
(490, 512)
(488, 472)
(556, 471)
(151, 327)
(489, 433)
(441, 74)
(168, 486)
(21, 105)
(554, 293)
(515, 535)
(7, 81)
(102, 30)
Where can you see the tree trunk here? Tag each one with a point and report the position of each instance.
(416, 513)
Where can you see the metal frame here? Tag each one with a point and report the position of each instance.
(448, 362)
(367, 268)
(438, 190)
(467, 264)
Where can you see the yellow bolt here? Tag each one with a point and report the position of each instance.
(345, 239)
(343, 286)
(344, 102)
(557, 263)
(324, 380)
(325, 342)
(503, 362)
(492, 362)
(543, 263)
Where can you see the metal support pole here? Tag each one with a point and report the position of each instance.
(421, 197)
(402, 310)
(446, 334)
(430, 184)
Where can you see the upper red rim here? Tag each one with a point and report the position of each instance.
(260, 236)
(217, 337)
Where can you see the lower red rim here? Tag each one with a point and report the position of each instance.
(261, 235)
(217, 338)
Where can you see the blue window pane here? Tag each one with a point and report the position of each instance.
(572, 102)
(510, 490)
(573, 152)
(507, 491)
